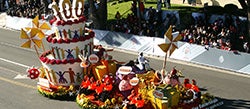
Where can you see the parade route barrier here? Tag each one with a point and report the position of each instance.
(229, 60)
(3, 19)
(17, 23)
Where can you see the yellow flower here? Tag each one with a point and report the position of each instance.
(113, 100)
(107, 102)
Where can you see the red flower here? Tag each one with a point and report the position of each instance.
(58, 23)
(88, 37)
(92, 86)
(85, 84)
(49, 38)
(133, 101)
(139, 103)
(59, 41)
(52, 61)
(63, 22)
(71, 60)
(82, 38)
(47, 61)
(82, 19)
(54, 40)
(108, 87)
(67, 40)
(195, 88)
(74, 40)
(78, 60)
(69, 22)
(76, 21)
(52, 20)
(58, 61)
(91, 34)
(43, 59)
(64, 61)
(99, 89)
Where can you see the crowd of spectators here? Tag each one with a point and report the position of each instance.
(222, 34)
(145, 22)
(226, 34)
(25, 8)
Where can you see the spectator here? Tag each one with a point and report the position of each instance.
(218, 35)
(48, 16)
(117, 15)
(246, 47)
(26, 9)
(142, 9)
(1, 5)
(133, 7)
(167, 3)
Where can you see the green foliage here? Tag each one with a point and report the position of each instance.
(122, 7)
(184, 11)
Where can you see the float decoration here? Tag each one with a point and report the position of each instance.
(73, 69)
(61, 74)
(39, 28)
(32, 38)
(170, 43)
(65, 64)
(33, 72)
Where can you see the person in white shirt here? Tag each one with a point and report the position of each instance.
(142, 61)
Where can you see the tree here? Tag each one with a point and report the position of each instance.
(98, 13)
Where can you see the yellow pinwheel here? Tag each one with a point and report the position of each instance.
(170, 42)
(32, 38)
(40, 28)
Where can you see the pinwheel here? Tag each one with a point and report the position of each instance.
(39, 28)
(32, 38)
(170, 43)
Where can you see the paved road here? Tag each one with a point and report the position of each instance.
(22, 93)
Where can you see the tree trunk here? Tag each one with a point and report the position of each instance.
(98, 14)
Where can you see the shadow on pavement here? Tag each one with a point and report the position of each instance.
(235, 104)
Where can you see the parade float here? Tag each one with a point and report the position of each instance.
(133, 88)
(75, 67)
(61, 73)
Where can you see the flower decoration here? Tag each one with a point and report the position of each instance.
(33, 72)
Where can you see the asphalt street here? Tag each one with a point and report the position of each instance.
(19, 92)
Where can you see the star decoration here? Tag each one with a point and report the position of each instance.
(116, 106)
(77, 91)
(125, 102)
(31, 37)
(71, 93)
(39, 28)
(170, 41)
